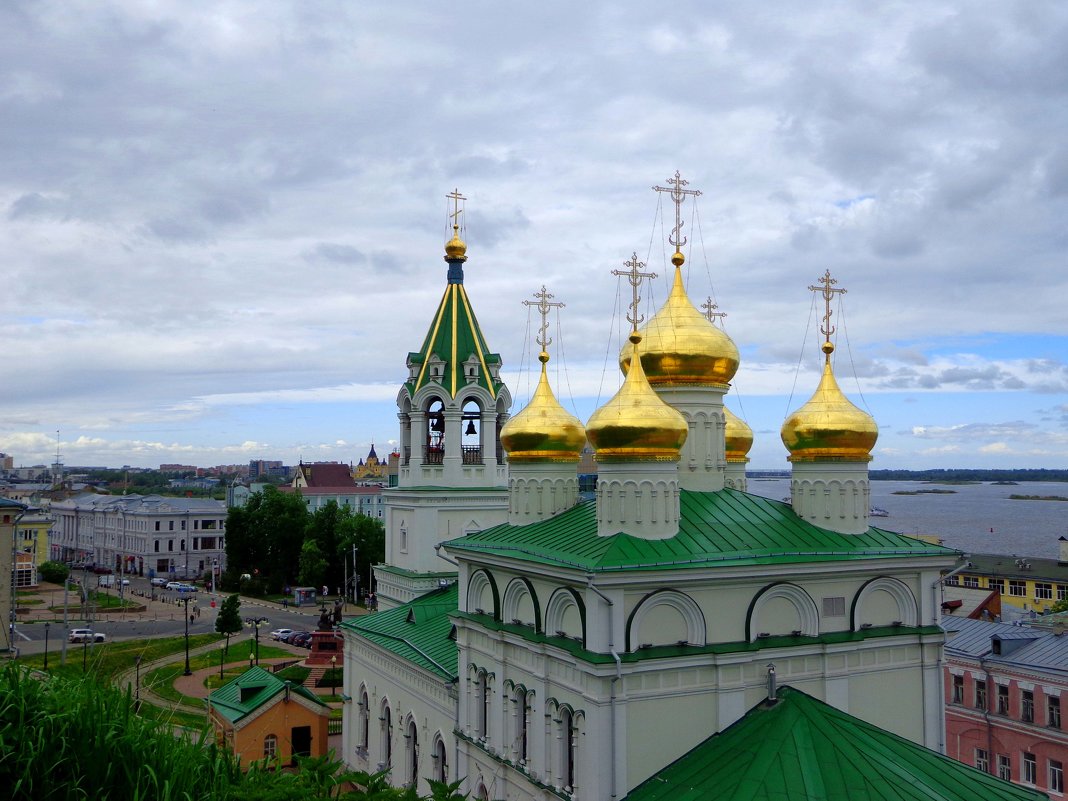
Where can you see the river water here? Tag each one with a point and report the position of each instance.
(976, 518)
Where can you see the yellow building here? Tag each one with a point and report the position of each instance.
(1025, 584)
(31, 536)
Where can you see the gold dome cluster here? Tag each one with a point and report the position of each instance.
(829, 426)
(739, 437)
(680, 346)
(543, 431)
(636, 425)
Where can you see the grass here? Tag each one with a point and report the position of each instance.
(161, 680)
(107, 660)
(295, 674)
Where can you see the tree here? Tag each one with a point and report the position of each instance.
(312, 564)
(264, 538)
(1060, 606)
(369, 536)
(53, 572)
(229, 619)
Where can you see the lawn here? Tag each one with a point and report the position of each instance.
(107, 660)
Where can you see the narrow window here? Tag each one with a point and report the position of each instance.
(1004, 767)
(982, 760)
(1030, 768)
(958, 689)
(1053, 711)
(441, 770)
(1027, 706)
(1056, 776)
(1003, 699)
(980, 694)
(270, 746)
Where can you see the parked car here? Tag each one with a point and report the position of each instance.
(279, 634)
(293, 635)
(87, 635)
(180, 586)
(158, 581)
(303, 640)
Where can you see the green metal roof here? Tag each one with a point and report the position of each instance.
(716, 528)
(454, 336)
(418, 632)
(251, 690)
(801, 748)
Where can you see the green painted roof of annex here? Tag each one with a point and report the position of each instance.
(418, 631)
(454, 337)
(251, 690)
(724, 528)
(800, 748)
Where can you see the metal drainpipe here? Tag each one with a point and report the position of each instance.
(612, 686)
(986, 719)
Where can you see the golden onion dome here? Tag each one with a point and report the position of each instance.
(829, 427)
(543, 431)
(455, 248)
(738, 435)
(636, 425)
(681, 347)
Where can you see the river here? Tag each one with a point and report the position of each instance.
(976, 518)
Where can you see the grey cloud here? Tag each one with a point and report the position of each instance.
(34, 204)
(332, 251)
(1017, 429)
(491, 229)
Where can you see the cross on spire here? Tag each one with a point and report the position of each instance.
(457, 210)
(678, 194)
(635, 276)
(828, 292)
(710, 310)
(544, 305)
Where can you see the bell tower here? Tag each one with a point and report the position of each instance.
(452, 476)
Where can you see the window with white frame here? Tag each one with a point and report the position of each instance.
(1027, 706)
(1003, 699)
(958, 689)
(996, 584)
(972, 582)
(412, 748)
(483, 701)
(441, 763)
(980, 694)
(1030, 768)
(1053, 711)
(567, 748)
(521, 743)
(1062, 592)
(982, 760)
(1043, 591)
(1004, 767)
(363, 724)
(1056, 776)
(270, 746)
(386, 750)
(1017, 588)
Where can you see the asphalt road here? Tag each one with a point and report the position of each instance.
(162, 617)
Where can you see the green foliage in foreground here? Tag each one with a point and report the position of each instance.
(69, 739)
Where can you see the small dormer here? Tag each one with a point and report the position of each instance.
(1003, 645)
(414, 362)
(435, 368)
(471, 368)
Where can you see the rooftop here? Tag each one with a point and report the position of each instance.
(251, 690)
(1044, 649)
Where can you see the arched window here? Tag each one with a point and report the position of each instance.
(435, 432)
(387, 735)
(483, 701)
(412, 736)
(363, 741)
(270, 746)
(567, 750)
(521, 740)
(471, 432)
(441, 761)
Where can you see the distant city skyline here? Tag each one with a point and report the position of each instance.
(222, 226)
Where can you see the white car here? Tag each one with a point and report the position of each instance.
(86, 635)
(279, 634)
(158, 582)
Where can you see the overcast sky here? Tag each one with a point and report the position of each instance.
(221, 224)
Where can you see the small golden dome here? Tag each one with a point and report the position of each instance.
(543, 431)
(739, 437)
(829, 427)
(455, 249)
(635, 425)
(681, 347)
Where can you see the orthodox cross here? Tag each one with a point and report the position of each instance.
(710, 310)
(544, 305)
(678, 194)
(457, 210)
(635, 276)
(828, 293)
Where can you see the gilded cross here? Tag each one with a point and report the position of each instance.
(544, 305)
(828, 292)
(710, 310)
(635, 276)
(457, 210)
(678, 194)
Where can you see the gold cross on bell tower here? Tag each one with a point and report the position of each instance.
(544, 305)
(710, 310)
(828, 291)
(635, 276)
(457, 209)
(677, 194)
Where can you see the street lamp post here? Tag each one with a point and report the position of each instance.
(222, 654)
(333, 675)
(47, 626)
(250, 657)
(255, 623)
(185, 615)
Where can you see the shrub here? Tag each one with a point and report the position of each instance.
(53, 572)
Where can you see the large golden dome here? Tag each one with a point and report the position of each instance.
(635, 425)
(739, 437)
(543, 431)
(681, 347)
(829, 427)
